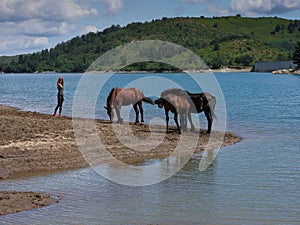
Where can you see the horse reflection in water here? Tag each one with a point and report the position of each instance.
(184, 103)
(119, 97)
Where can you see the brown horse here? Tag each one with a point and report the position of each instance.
(197, 103)
(119, 97)
(177, 105)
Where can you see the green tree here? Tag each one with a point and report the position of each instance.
(236, 44)
(244, 60)
(296, 55)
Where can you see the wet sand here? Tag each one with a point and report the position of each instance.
(36, 144)
(12, 201)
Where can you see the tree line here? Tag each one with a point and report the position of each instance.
(220, 41)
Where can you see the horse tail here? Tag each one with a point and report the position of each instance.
(148, 100)
(212, 105)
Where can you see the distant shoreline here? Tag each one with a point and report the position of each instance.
(221, 70)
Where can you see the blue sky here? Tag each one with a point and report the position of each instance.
(28, 26)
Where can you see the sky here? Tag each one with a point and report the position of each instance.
(28, 26)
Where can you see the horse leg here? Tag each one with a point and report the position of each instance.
(112, 115)
(118, 109)
(176, 121)
(191, 122)
(185, 121)
(140, 104)
(209, 121)
(135, 107)
(167, 120)
(181, 120)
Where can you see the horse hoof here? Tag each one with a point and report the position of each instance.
(142, 123)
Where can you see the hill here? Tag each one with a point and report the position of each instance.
(232, 41)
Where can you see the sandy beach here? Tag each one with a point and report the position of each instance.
(35, 144)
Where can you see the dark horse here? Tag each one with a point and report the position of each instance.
(119, 97)
(198, 102)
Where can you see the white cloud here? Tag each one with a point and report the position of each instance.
(59, 10)
(36, 27)
(218, 10)
(40, 42)
(211, 7)
(41, 18)
(255, 7)
(113, 6)
(11, 45)
(88, 29)
(26, 25)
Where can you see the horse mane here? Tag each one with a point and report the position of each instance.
(174, 91)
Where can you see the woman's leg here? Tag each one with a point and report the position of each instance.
(61, 99)
(59, 104)
(56, 108)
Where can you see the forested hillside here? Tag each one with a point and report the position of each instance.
(220, 41)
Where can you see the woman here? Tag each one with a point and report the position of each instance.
(60, 95)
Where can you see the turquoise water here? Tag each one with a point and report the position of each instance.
(253, 182)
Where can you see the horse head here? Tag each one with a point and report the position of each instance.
(160, 102)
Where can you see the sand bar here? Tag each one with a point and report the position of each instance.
(35, 144)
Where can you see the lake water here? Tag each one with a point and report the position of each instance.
(253, 182)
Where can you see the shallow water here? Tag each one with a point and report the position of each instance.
(253, 182)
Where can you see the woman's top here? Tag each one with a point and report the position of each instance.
(60, 89)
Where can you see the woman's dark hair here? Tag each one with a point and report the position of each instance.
(60, 81)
